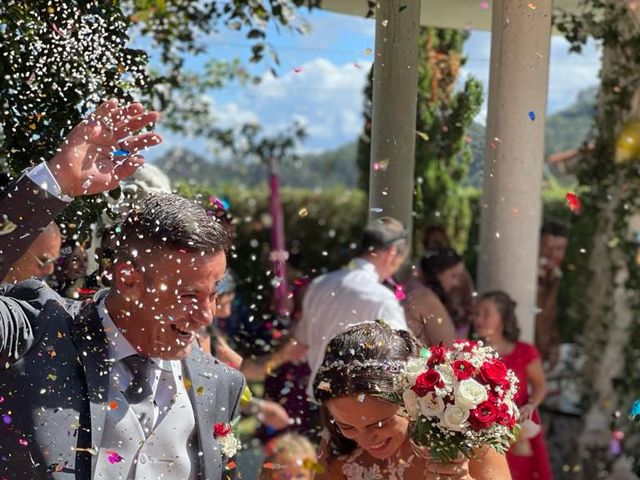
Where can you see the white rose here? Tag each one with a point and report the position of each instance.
(454, 418)
(431, 405)
(413, 369)
(411, 403)
(469, 393)
(447, 374)
(229, 445)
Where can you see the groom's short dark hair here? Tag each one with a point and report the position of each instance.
(167, 220)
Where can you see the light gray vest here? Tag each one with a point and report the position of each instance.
(170, 451)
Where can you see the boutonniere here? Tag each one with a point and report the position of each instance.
(229, 444)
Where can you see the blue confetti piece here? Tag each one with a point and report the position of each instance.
(120, 153)
(532, 115)
(377, 210)
(635, 409)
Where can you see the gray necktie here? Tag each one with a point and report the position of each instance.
(139, 393)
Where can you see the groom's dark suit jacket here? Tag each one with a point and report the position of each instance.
(54, 370)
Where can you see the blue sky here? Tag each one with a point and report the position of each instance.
(322, 75)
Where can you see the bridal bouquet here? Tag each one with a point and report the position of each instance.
(460, 398)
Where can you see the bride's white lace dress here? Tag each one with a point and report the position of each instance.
(354, 468)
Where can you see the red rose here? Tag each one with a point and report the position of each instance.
(494, 373)
(437, 356)
(427, 382)
(483, 415)
(221, 430)
(462, 369)
(503, 416)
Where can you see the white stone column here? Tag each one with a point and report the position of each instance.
(395, 92)
(511, 205)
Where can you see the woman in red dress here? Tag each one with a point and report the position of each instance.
(495, 321)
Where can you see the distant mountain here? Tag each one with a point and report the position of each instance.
(565, 130)
(324, 170)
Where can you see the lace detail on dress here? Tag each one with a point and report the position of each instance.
(354, 470)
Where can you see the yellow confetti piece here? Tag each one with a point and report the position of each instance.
(200, 390)
(423, 136)
(312, 465)
(303, 212)
(187, 383)
(50, 10)
(532, 5)
(32, 126)
(246, 396)
(59, 334)
(52, 376)
(121, 68)
(367, 51)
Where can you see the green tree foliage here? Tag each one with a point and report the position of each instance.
(443, 151)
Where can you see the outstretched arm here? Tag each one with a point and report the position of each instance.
(93, 158)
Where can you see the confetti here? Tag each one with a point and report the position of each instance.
(368, 51)
(120, 153)
(113, 457)
(361, 397)
(635, 410)
(573, 202)
(23, 442)
(400, 293)
(484, 5)
(376, 210)
(385, 23)
(532, 115)
(423, 136)
(303, 212)
(187, 383)
(382, 165)
(297, 70)
(52, 376)
(6, 419)
(200, 390)
(532, 5)
(6, 225)
(113, 405)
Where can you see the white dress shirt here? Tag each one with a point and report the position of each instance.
(166, 380)
(340, 299)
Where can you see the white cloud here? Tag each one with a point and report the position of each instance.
(326, 95)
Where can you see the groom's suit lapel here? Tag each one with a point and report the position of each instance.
(200, 387)
(91, 341)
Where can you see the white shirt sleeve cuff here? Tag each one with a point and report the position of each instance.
(42, 176)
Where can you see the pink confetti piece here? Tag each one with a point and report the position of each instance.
(297, 70)
(114, 457)
(23, 442)
(484, 5)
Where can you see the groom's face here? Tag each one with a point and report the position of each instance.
(174, 297)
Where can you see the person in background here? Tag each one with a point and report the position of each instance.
(70, 273)
(461, 297)
(355, 294)
(553, 248)
(427, 301)
(289, 457)
(40, 259)
(495, 322)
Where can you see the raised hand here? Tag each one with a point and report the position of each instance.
(101, 151)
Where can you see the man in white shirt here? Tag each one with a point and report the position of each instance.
(355, 294)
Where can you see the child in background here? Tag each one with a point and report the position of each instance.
(289, 457)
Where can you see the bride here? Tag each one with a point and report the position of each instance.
(359, 392)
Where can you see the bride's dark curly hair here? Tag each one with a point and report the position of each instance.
(367, 358)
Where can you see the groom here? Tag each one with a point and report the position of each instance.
(112, 388)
